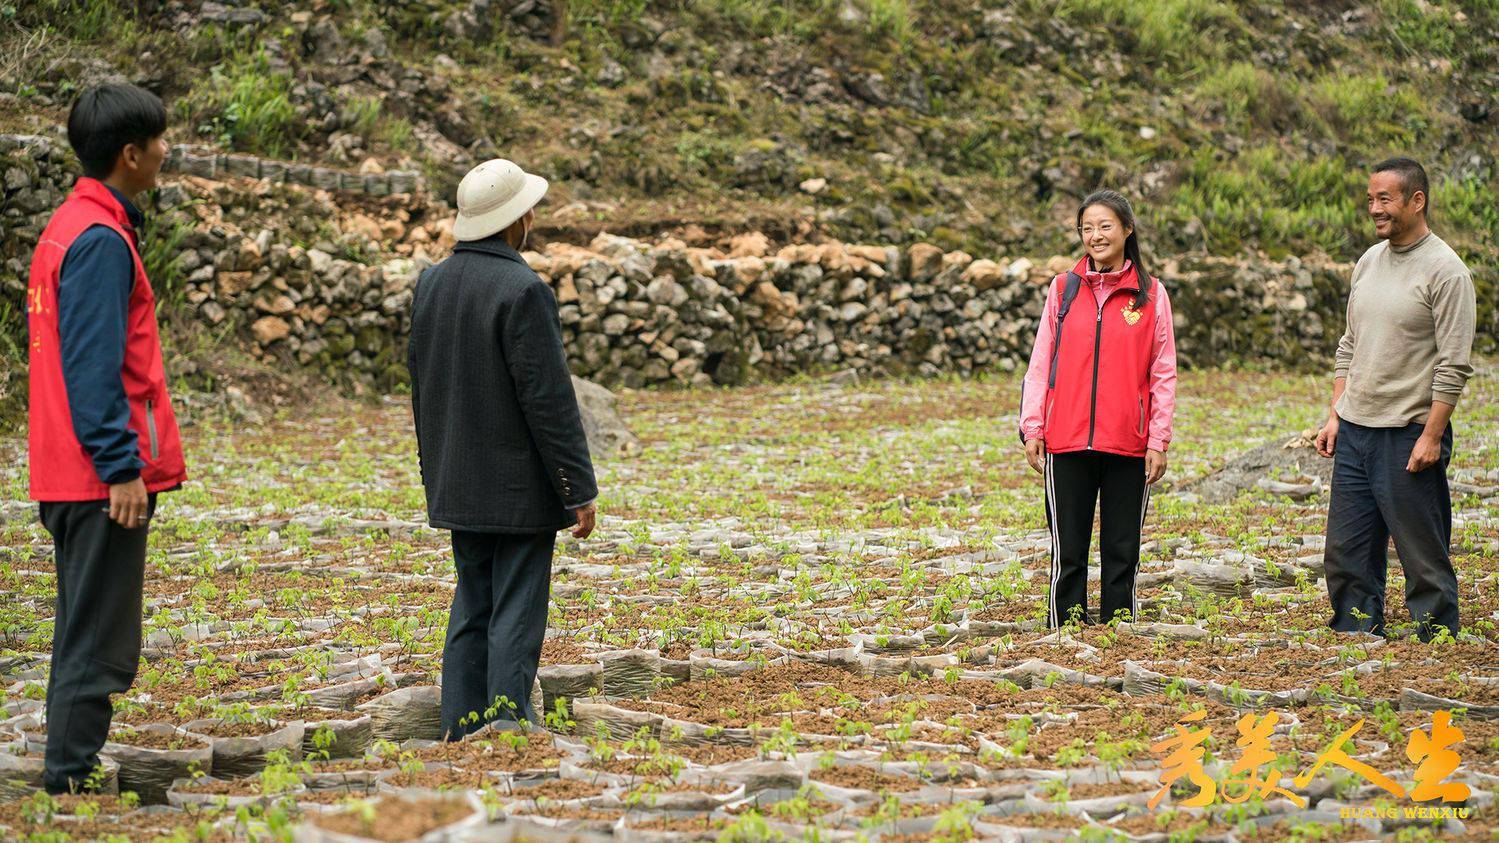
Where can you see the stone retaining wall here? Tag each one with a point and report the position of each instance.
(211, 165)
(208, 164)
(324, 279)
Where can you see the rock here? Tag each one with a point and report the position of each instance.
(269, 329)
(606, 431)
(852, 311)
(753, 244)
(813, 186)
(772, 300)
(364, 227)
(611, 73)
(924, 261)
(615, 324)
(854, 289)
(765, 166)
(232, 284)
(685, 369)
(665, 290)
(1474, 109)
(220, 13)
(871, 88)
(1020, 269)
(1295, 491)
(392, 230)
(246, 255)
(1461, 488)
(1246, 470)
(984, 274)
(278, 306)
(319, 260)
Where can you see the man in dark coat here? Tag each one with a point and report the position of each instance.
(501, 444)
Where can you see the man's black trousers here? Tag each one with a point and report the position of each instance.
(1374, 499)
(496, 628)
(1079, 483)
(96, 634)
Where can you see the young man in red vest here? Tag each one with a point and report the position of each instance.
(103, 439)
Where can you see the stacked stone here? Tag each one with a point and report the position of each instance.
(346, 318)
(211, 165)
(634, 313)
(35, 174)
(323, 279)
(277, 285)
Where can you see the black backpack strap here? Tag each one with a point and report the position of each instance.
(1069, 293)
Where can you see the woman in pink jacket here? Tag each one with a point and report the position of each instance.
(1096, 408)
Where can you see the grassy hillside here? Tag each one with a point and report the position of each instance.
(1238, 126)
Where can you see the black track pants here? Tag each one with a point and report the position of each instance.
(1076, 483)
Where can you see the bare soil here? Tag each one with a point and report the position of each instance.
(865, 778)
(397, 819)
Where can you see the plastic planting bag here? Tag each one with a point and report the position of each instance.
(150, 771)
(406, 713)
(234, 757)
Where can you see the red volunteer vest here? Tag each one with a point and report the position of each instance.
(60, 468)
(1101, 400)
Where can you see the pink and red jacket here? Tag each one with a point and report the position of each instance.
(1115, 389)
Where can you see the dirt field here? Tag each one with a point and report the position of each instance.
(811, 610)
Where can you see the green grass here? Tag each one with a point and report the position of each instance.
(367, 118)
(1263, 196)
(85, 20)
(161, 240)
(891, 18)
(1422, 29)
(1466, 204)
(1369, 110)
(246, 105)
(1189, 32)
(1250, 97)
(362, 115)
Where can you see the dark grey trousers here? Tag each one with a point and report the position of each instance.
(96, 634)
(1374, 499)
(498, 620)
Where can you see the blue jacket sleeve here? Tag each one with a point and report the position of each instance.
(93, 301)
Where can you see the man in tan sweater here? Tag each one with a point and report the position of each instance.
(1401, 365)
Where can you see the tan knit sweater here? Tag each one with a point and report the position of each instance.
(1411, 317)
